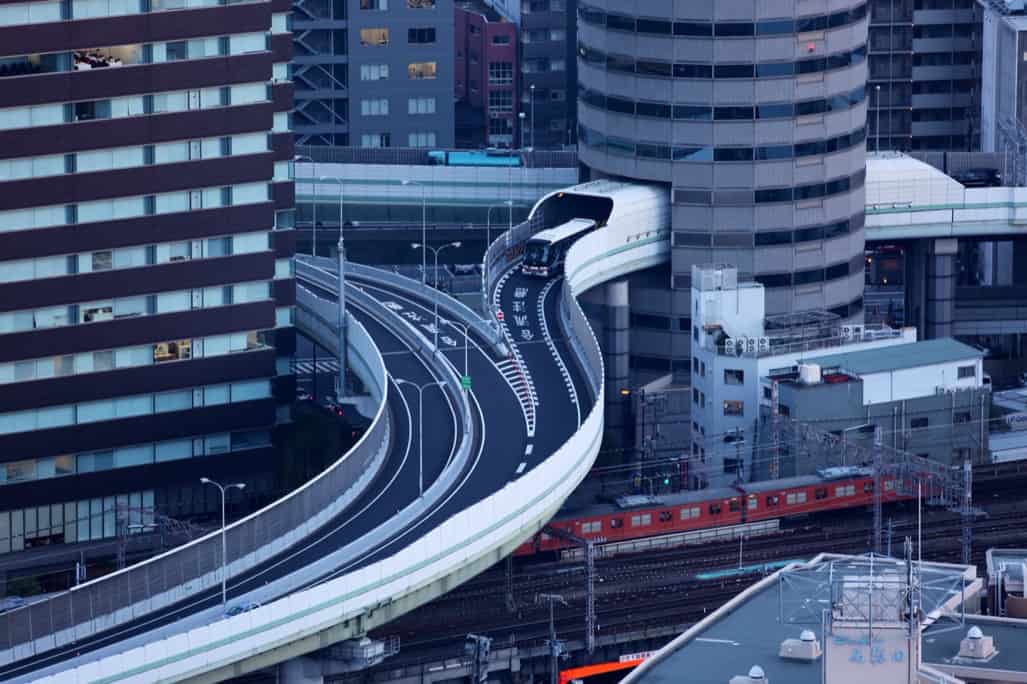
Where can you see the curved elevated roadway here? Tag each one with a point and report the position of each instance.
(538, 413)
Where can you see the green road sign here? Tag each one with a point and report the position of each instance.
(465, 382)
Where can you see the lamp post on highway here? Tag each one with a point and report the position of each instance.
(424, 228)
(341, 390)
(224, 542)
(435, 296)
(531, 130)
(420, 425)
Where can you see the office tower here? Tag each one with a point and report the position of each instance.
(549, 72)
(924, 75)
(145, 293)
(753, 115)
(486, 77)
(374, 73)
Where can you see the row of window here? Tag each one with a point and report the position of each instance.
(766, 238)
(75, 521)
(383, 5)
(706, 112)
(733, 506)
(132, 207)
(380, 106)
(772, 27)
(128, 357)
(416, 139)
(799, 193)
(88, 59)
(111, 158)
(133, 105)
(48, 467)
(705, 71)
(723, 29)
(131, 257)
(128, 307)
(706, 153)
(375, 37)
(49, 11)
(133, 406)
(812, 276)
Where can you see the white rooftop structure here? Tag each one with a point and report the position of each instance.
(893, 179)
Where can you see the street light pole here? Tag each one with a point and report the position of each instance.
(224, 541)
(341, 390)
(531, 130)
(424, 229)
(435, 295)
(420, 425)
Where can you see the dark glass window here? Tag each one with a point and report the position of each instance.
(654, 26)
(774, 195)
(732, 154)
(620, 23)
(774, 280)
(809, 277)
(690, 28)
(694, 113)
(693, 71)
(659, 110)
(774, 237)
(775, 111)
(732, 113)
(733, 71)
(734, 29)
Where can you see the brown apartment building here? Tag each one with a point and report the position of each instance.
(146, 288)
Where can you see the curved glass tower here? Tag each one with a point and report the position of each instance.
(754, 113)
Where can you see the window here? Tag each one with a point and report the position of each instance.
(772, 500)
(616, 523)
(918, 423)
(421, 35)
(961, 417)
(966, 372)
(379, 5)
(500, 101)
(172, 351)
(820, 493)
(375, 140)
(377, 107)
(421, 105)
(421, 4)
(372, 37)
(501, 40)
(734, 377)
(734, 408)
(641, 520)
(374, 72)
(423, 139)
(714, 509)
(421, 70)
(500, 73)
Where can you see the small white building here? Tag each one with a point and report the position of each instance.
(734, 346)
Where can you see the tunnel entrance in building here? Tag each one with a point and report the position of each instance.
(561, 207)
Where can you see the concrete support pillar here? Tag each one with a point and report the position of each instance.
(940, 299)
(931, 286)
(616, 344)
(301, 670)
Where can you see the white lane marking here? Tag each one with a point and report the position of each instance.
(710, 640)
(528, 449)
(521, 467)
(568, 381)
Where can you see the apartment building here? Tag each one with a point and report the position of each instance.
(146, 289)
(487, 77)
(374, 73)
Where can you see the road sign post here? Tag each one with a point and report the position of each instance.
(465, 382)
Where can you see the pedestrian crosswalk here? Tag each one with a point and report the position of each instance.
(306, 366)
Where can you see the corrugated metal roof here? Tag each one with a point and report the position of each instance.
(926, 353)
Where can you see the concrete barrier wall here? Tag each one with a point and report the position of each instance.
(193, 568)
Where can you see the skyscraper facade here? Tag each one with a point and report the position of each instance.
(374, 73)
(924, 76)
(145, 277)
(753, 114)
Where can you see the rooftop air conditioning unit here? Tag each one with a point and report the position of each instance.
(809, 373)
(805, 648)
(976, 645)
(729, 346)
(755, 676)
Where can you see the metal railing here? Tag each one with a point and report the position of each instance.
(189, 570)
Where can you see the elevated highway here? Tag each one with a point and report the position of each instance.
(525, 435)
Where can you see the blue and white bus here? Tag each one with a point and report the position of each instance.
(545, 252)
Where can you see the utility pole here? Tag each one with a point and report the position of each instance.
(590, 574)
(878, 503)
(555, 646)
(967, 513)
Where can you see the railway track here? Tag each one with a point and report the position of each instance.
(657, 589)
